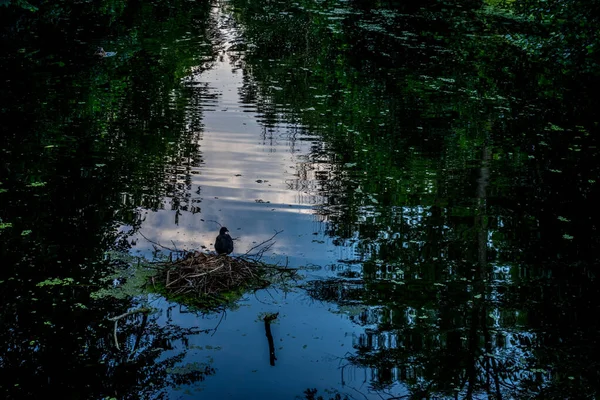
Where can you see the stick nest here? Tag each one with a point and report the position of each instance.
(208, 274)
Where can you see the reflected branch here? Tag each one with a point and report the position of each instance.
(267, 319)
(118, 317)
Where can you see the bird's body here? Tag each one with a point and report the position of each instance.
(224, 242)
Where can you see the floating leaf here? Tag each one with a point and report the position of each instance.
(55, 282)
(37, 184)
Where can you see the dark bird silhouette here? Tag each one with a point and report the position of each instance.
(224, 242)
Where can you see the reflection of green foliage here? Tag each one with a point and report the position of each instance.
(432, 145)
(203, 303)
(56, 282)
(24, 4)
(559, 33)
(37, 184)
(137, 276)
(91, 141)
(127, 281)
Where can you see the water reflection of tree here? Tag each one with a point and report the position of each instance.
(76, 354)
(100, 139)
(146, 366)
(470, 287)
(450, 314)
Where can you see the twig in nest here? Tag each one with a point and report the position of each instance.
(264, 250)
(160, 245)
(210, 275)
(205, 273)
(261, 243)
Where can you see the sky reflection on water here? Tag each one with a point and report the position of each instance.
(310, 341)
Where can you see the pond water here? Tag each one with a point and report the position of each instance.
(248, 181)
(433, 183)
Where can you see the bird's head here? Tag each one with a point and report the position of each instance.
(223, 231)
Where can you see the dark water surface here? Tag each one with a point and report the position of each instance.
(435, 184)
